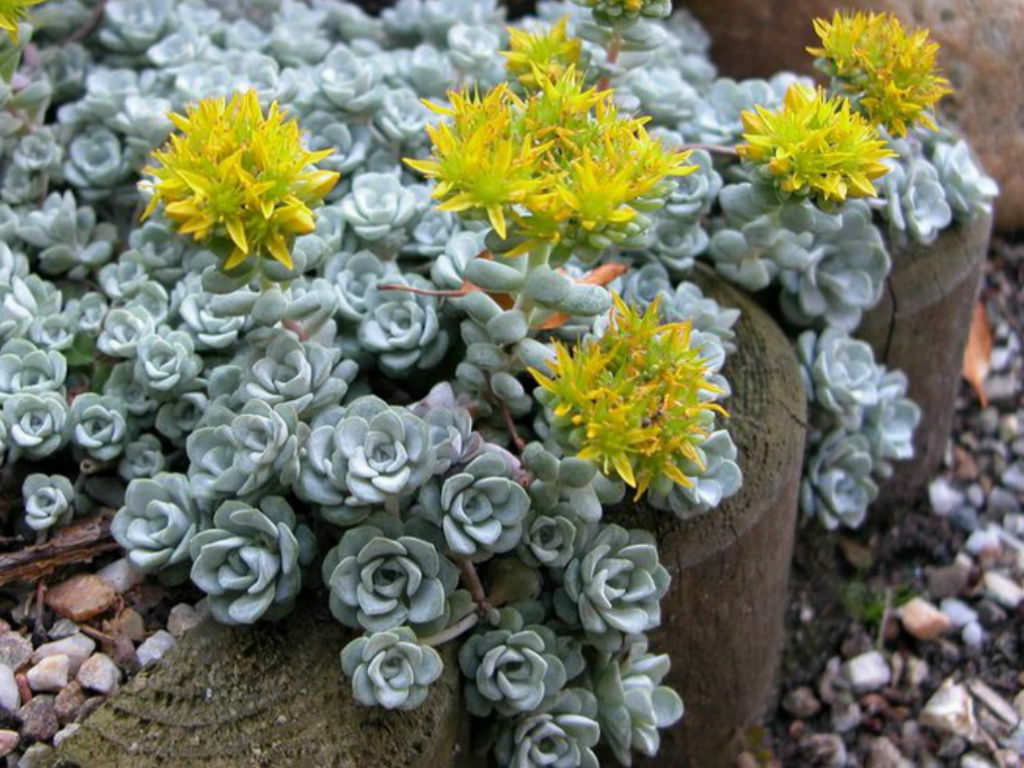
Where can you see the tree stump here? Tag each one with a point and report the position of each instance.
(722, 619)
(270, 695)
(920, 326)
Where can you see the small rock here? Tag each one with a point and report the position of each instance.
(989, 418)
(923, 620)
(1002, 589)
(10, 696)
(182, 618)
(948, 580)
(846, 716)
(801, 703)
(952, 747)
(1013, 477)
(832, 684)
(8, 741)
(984, 540)
(958, 612)
(1001, 502)
(155, 646)
(823, 750)
(38, 719)
(15, 650)
(36, 756)
(77, 648)
(91, 705)
(867, 672)
(910, 738)
(99, 673)
(1013, 523)
(121, 575)
(965, 518)
(128, 624)
(950, 710)
(50, 674)
(917, 671)
(1001, 388)
(69, 701)
(64, 733)
(974, 760)
(944, 496)
(62, 628)
(1018, 704)
(973, 635)
(999, 706)
(81, 597)
(990, 614)
(975, 496)
(884, 754)
(1008, 758)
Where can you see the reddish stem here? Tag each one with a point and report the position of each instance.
(422, 291)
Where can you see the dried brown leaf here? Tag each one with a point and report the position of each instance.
(978, 353)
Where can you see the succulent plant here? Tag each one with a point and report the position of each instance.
(49, 501)
(613, 589)
(890, 423)
(378, 206)
(25, 368)
(37, 425)
(98, 425)
(249, 561)
(123, 329)
(143, 457)
(166, 363)
(390, 669)
(403, 329)
(632, 706)
(916, 201)
(157, 522)
(561, 737)
(480, 508)
(380, 582)
(839, 374)
(68, 237)
(837, 485)
(968, 190)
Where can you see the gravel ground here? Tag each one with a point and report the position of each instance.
(906, 643)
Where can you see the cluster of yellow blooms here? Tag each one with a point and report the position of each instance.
(13, 11)
(550, 51)
(237, 173)
(890, 74)
(830, 148)
(633, 400)
(816, 146)
(557, 163)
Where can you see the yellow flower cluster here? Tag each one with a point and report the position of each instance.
(815, 146)
(634, 399)
(558, 164)
(234, 173)
(550, 51)
(13, 11)
(891, 75)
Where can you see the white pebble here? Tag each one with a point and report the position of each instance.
(182, 618)
(155, 646)
(49, 675)
(944, 497)
(974, 760)
(1003, 589)
(77, 648)
(958, 612)
(64, 733)
(98, 673)
(984, 539)
(867, 672)
(10, 696)
(973, 635)
(121, 575)
(950, 710)
(8, 741)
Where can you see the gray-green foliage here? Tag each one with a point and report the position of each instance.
(49, 501)
(157, 522)
(390, 669)
(562, 736)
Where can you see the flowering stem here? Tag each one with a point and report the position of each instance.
(720, 149)
(510, 425)
(295, 328)
(614, 47)
(90, 24)
(472, 580)
(424, 291)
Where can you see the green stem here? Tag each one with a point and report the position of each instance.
(464, 624)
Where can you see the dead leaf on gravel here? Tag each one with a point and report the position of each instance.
(978, 353)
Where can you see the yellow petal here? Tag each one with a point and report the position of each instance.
(236, 230)
(236, 258)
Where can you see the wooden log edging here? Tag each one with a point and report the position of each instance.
(272, 695)
(723, 618)
(920, 326)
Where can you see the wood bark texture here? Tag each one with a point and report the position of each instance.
(722, 620)
(271, 695)
(920, 326)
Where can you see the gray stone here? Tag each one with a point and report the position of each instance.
(65, 733)
(10, 696)
(182, 618)
(867, 672)
(974, 760)
(951, 710)
(36, 756)
(1013, 523)
(1009, 427)
(8, 741)
(1002, 502)
(995, 703)
(964, 517)
(823, 750)
(121, 575)
(154, 647)
(973, 635)
(952, 747)
(38, 719)
(989, 614)
(50, 674)
(884, 754)
(69, 702)
(989, 420)
(984, 539)
(975, 496)
(846, 715)
(1013, 477)
(62, 628)
(98, 673)
(949, 580)
(958, 611)
(801, 703)
(1017, 446)
(15, 650)
(1004, 590)
(917, 672)
(944, 496)
(76, 647)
